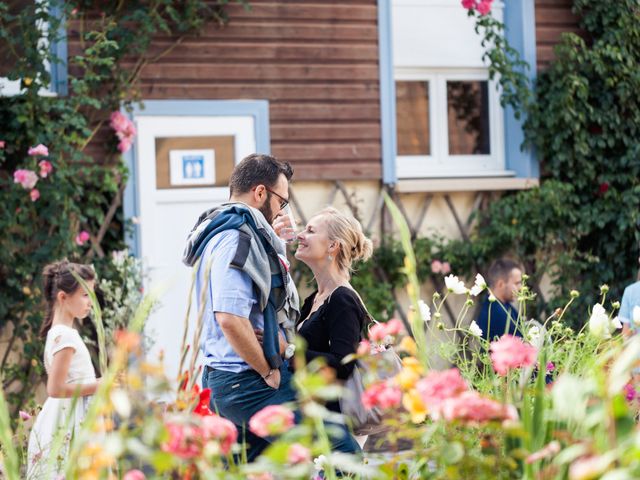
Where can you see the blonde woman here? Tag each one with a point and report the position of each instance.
(332, 317)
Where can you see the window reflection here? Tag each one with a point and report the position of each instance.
(468, 117)
(412, 118)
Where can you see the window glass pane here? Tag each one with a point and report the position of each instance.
(412, 118)
(468, 118)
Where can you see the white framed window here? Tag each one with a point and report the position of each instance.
(449, 123)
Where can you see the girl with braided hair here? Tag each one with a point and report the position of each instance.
(71, 378)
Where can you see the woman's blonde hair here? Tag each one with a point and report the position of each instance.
(347, 232)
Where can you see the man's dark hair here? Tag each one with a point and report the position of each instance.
(501, 269)
(257, 169)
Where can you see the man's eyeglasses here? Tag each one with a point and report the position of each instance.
(283, 201)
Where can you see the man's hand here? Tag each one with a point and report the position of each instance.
(273, 380)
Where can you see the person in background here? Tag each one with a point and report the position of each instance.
(629, 313)
(71, 378)
(498, 316)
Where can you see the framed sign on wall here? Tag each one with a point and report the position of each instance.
(194, 162)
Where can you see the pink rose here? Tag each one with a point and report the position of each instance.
(45, 168)
(470, 406)
(34, 194)
(298, 454)
(271, 420)
(124, 145)
(125, 130)
(446, 268)
(380, 331)
(381, 394)
(510, 352)
(217, 428)
(24, 415)
(436, 387)
(38, 150)
(184, 441)
(134, 475)
(26, 178)
(2, 143)
(436, 266)
(469, 4)
(484, 7)
(82, 237)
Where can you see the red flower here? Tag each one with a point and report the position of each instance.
(604, 187)
(202, 408)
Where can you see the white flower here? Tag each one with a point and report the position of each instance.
(479, 286)
(454, 285)
(635, 317)
(615, 323)
(534, 335)
(475, 329)
(599, 324)
(425, 313)
(320, 462)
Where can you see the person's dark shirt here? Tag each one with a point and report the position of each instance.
(333, 331)
(503, 320)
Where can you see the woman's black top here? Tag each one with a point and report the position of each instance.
(333, 330)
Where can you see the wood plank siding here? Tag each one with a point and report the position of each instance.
(316, 62)
(553, 18)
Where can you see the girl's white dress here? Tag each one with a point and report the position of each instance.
(59, 413)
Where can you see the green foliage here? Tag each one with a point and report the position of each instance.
(82, 192)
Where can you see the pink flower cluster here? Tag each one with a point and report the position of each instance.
(271, 420)
(447, 396)
(28, 178)
(509, 352)
(482, 6)
(187, 441)
(381, 394)
(470, 406)
(440, 267)
(125, 130)
(380, 331)
(436, 387)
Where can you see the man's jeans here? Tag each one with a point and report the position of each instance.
(238, 396)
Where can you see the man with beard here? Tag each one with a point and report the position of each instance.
(248, 289)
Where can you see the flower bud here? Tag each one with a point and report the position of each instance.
(469, 302)
(436, 296)
(604, 289)
(440, 326)
(437, 316)
(525, 277)
(574, 293)
(615, 305)
(492, 298)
